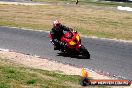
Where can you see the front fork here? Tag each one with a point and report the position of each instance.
(78, 47)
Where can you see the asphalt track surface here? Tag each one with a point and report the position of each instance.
(106, 55)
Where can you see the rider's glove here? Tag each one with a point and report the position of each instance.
(56, 40)
(53, 41)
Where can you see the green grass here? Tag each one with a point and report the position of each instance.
(13, 76)
(24, 25)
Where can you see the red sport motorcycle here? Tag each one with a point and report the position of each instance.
(72, 45)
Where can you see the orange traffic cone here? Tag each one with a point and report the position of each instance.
(84, 73)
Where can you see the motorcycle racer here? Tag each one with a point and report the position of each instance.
(56, 33)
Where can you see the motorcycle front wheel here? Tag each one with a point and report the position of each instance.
(84, 52)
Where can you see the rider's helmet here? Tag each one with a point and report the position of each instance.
(56, 24)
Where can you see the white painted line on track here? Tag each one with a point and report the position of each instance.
(6, 50)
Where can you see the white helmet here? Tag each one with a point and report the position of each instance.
(56, 23)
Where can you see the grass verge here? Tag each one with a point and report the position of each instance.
(15, 76)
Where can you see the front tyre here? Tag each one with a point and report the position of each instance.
(84, 52)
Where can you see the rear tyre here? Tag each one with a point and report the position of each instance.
(85, 52)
